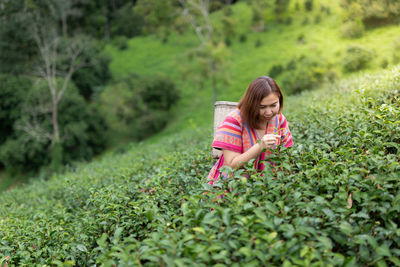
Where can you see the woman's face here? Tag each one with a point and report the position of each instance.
(269, 107)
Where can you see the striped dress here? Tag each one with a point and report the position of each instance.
(234, 135)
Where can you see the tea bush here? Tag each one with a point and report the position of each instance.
(332, 199)
(356, 57)
(303, 73)
(352, 29)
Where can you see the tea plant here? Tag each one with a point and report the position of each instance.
(333, 199)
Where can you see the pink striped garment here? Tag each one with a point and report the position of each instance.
(234, 135)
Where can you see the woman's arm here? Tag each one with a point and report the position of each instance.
(237, 160)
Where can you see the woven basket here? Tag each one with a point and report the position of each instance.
(221, 109)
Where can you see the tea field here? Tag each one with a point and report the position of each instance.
(332, 199)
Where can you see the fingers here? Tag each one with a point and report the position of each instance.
(270, 140)
(273, 137)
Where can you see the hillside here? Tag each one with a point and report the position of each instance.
(335, 202)
(279, 44)
(333, 199)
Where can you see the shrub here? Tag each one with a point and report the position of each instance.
(331, 200)
(258, 43)
(96, 74)
(138, 107)
(80, 125)
(384, 63)
(356, 58)
(275, 70)
(288, 20)
(396, 51)
(126, 22)
(121, 42)
(352, 29)
(301, 38)
(372, 13)
(304, 73)
(13, 90)
(308, 4)
(317, 19)
(242, 38)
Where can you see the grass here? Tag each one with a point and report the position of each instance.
(149, 56)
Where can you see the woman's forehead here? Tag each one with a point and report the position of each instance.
(269, 100)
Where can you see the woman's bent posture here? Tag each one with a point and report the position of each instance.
(258, 117)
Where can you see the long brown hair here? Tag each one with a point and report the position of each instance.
(249, 105)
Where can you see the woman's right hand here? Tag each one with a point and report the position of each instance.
(269, 141)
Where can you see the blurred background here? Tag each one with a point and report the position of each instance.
(82, 77)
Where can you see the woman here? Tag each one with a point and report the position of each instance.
(258, 117)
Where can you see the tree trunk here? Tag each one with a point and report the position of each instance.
(106, 24)
(214, 81)
(64, 25)
(56, 147)
(54, 120)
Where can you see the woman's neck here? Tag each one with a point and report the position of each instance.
(262, 125)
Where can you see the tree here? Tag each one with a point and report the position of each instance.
(137, 107)
(61, 10)
(29, 146)
(59, 59)
(17, 47)
(158, 16)
(12, 92)
(212, 52)
(280, 8)
(371, 13)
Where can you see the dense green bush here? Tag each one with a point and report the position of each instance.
(28, 146)
(95, 74)
(12, 93)
(275, 70)
(331, 200)
(308, 4)
(396, 51)
(356, 57)
(303, 73)
(126, 22)
(139, 107)
(352, 29)
(372, 13)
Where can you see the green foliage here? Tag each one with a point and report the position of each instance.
(352, 29)
(372, 13)
(280, 7)
(258, 43)
(125, 22)
(396, 51)
(157, 15)
(275, 70)
(28, 147)
(356, 57)
(17, 47)
(332, 199)
(305, 73)
(96, 74)
(139, 107)
(229, 25)
(242, 38)
(12, 93)
(308, 4)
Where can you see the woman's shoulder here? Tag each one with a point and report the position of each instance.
(235, 114)
(282, 120)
